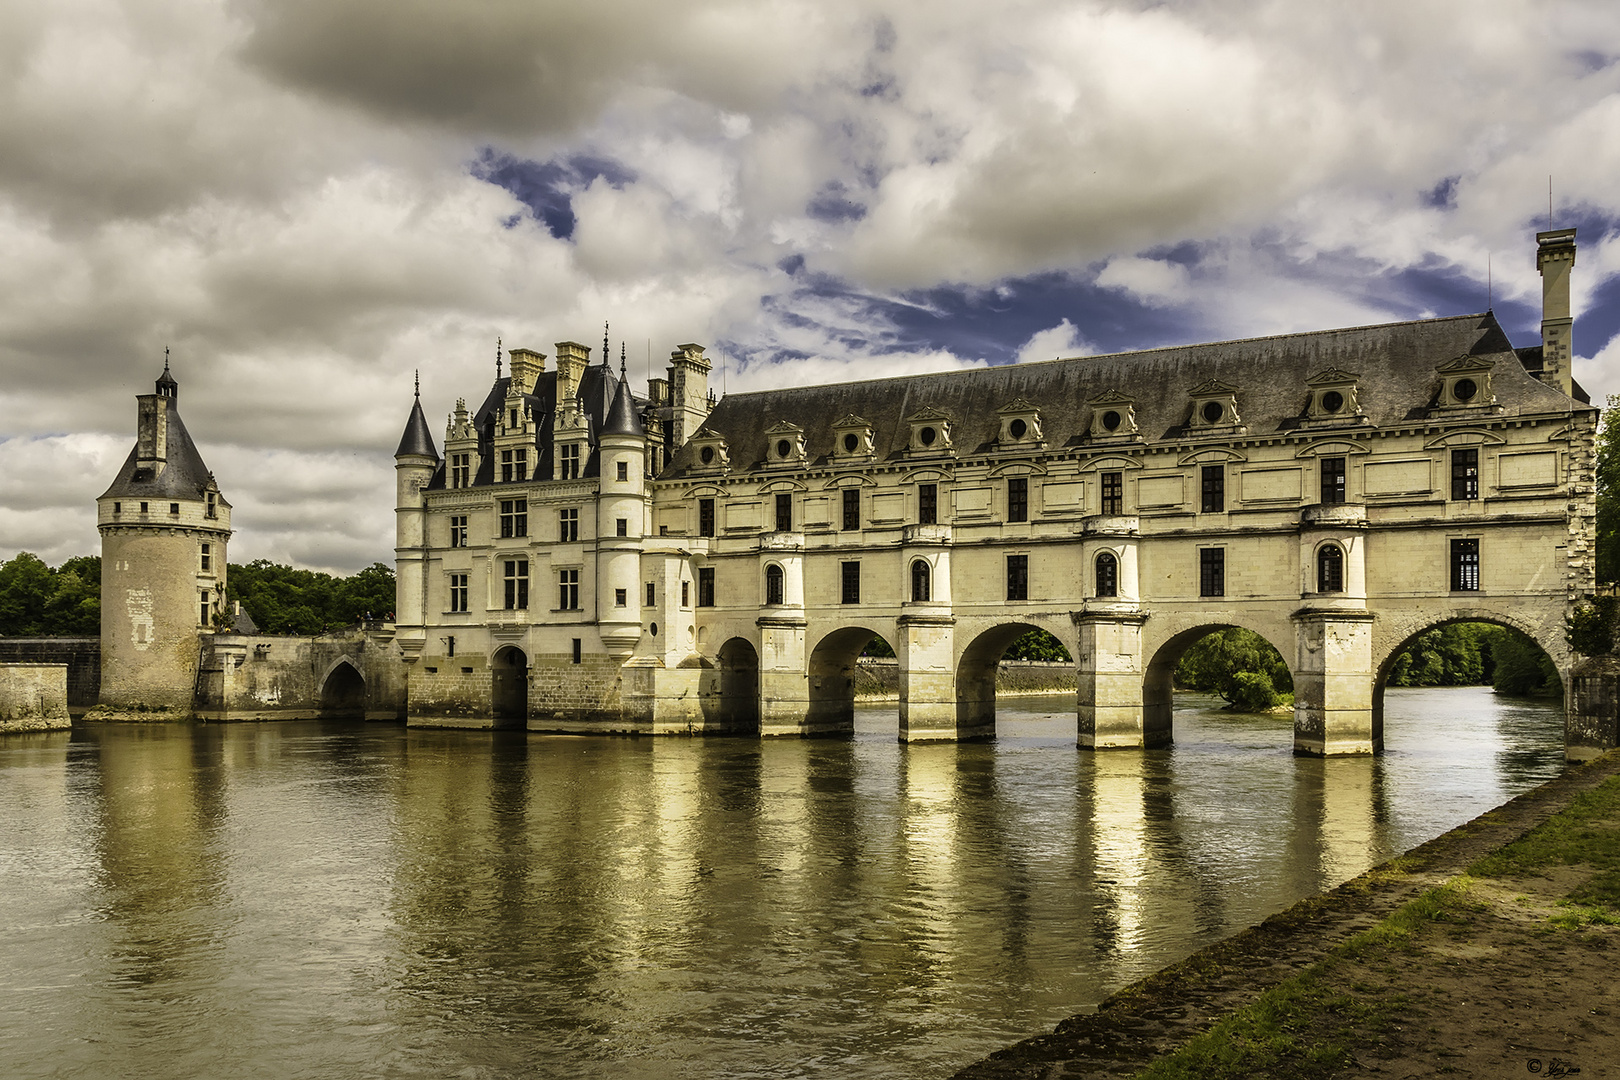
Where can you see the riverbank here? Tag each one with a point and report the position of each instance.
(1488, 950)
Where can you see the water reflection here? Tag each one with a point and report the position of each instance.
(367, 900)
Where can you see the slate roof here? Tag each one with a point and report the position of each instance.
(623, 418)
(183, 477)
(1395, 363)
(417, 440)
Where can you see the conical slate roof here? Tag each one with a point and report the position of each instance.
(417, 440)
(622, 417)
(184, 476)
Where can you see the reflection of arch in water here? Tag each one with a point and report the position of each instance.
(832, 680)
(343, 692)
(976, 678)
(739, 687)
(509, 687)
(1386, 663)
(1158, 681)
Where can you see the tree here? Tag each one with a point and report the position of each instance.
(1608, 493)
(1239, 665)
(36, 601)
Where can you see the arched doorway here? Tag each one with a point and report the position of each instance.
(978, 667)
(739, 687)
(1477, 649)
(509, 687)
(832, 679)
(1159, 679)
(343, 694)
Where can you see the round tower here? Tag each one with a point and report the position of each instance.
(414, 464)
(164, 527)
(621, 509)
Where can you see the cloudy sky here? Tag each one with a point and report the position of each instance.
(307, 200)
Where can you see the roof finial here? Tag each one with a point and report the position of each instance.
(497, 359)
(419, 384)
(605, 350)
(165, 358)
(621, 361)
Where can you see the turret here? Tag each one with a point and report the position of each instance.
(414, 464)
(1555, 258)
(621, 522)
(164, 528)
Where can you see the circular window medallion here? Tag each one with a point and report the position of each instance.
(706, 455)
(851, 441)
(1111, 420)
(783, 448)
(654, 629)
(1332, 401)
(927, 435)
(1464, 389)
(1017, 428)
(1213, 412)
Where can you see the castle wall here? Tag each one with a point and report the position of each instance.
(33, 697)
(282, 677)
(81, 656)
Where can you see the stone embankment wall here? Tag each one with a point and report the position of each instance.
(281, 677)
(82, 655)
(33, 697)
(880, 677)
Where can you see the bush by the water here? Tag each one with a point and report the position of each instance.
(1240, 666)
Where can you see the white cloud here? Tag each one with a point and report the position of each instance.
(1055, 341)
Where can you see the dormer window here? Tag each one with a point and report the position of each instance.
(930, 432)
(1020, 425)
(515, 465)
(1214, 406)
(1113, 416)
(710, 454)
(1465, 383)
(852, 437)
(213, 505)
(460, 470)
(1335, 397)
(786, 444)
(568, 462)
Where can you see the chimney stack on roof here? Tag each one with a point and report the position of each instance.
(1555, 258)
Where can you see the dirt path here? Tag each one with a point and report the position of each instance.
(1476, 979)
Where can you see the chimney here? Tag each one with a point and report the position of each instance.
(526, 367)
(152, 432)
(572, 358)
(1555, 257)
(688, 391)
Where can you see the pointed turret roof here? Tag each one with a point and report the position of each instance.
(622, 417)
(417, 440)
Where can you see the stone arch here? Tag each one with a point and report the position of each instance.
(1384, 659)
(1158, 689)
(509, 687)
(832, 678)
(738, 661)
(976, 669)
(343, 691)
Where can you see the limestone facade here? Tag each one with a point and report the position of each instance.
(580, 559)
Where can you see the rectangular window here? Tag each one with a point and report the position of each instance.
(207, 558)
(852, 508)
(450, 649)
(1465, 566)
(202, 610)
(1113, 492)
(1465, 473)
(1018, 577)
(621, 526)
(927, 504)
(1018, 498)
(514, 465)
(623, 469)
(705, 586)
(784, 512)
(460, 470)
(568, 525)
(213, 506)
(576, 650)
(705, 517)
(686, 593)
(568, 590)
(514, 517)
(458, 592)
(517, 584)
(143, 508)
(621, 598)
(1211, 571)
(652, 594)
(458, 530)
(118, 508)
(849, 583)
(174, 508)
(1214, 487)
(568, 465)
(1333, 480)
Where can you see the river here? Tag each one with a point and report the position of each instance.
(343, 900)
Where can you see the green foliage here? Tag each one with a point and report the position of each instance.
(877, 647)
(1590, 628)
(1469, 654)
(1038, 645)
(1608, 495)
(36, 601)
(1521, 667)
(1216, 662)
(283, 600)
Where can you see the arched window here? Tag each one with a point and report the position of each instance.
(920, 581)
(1107, 574)
(1329, 569)
(773, 584)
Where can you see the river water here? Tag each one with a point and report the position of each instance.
(343, 900)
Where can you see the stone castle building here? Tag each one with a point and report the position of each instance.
(579, 558)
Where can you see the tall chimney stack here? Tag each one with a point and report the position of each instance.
(1555, 257)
